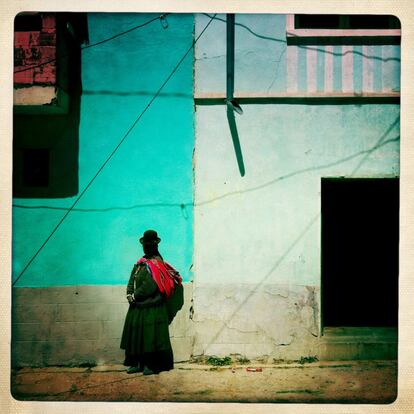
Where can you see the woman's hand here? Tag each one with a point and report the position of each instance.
(130, 299)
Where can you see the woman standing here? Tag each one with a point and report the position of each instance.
(155, 295)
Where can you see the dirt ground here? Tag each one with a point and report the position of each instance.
(341, 382)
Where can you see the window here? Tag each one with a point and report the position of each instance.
(347, 56)
(28, 23)
(335, 21)
(343, 29)
(36, 167)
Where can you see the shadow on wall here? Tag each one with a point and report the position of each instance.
(46, 144)
(322, 41)
(236, 141)
(364, 154)
(381, 141)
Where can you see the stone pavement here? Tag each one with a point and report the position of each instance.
(354, 382)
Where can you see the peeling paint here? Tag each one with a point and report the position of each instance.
(32, 48)
(45, 95)
(313, 303)
(210, 57)
(253, 321)
(277, 294)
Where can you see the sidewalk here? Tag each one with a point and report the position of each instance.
(326, 381)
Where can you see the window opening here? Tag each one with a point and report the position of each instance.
(36, 167)
(28, 23)
(335, 21)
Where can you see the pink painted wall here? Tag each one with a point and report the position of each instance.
(32, 48)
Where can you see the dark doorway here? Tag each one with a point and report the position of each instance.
(360, 238)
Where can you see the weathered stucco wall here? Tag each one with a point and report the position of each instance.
(256, 320)
(257, 238)
(82, 325)
(256, 267)
(258, 219)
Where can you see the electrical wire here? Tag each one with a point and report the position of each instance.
(114, 150)
(161, 17)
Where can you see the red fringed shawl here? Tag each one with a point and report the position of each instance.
(164, 275)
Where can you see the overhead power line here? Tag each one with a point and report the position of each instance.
(114, 150)
(161, 17)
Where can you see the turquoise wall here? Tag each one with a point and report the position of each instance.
(149, 181)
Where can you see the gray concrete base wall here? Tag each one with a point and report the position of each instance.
(277, 321)
(80, 324)
(83, 324)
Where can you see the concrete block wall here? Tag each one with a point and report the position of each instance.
(72, 325)
(83, 324)
(256, 321)
(80, 324)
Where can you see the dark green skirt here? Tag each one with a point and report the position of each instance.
(146, 330)
(146, 336)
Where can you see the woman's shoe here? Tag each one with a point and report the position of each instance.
(134, 370)
(148, 371)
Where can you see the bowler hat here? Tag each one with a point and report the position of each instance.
(150, 237)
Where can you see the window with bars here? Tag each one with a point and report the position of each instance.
(349, 22)
(343, 29)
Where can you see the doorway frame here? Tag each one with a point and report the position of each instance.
(343, 178)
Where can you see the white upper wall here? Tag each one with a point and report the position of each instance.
(265, 227)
